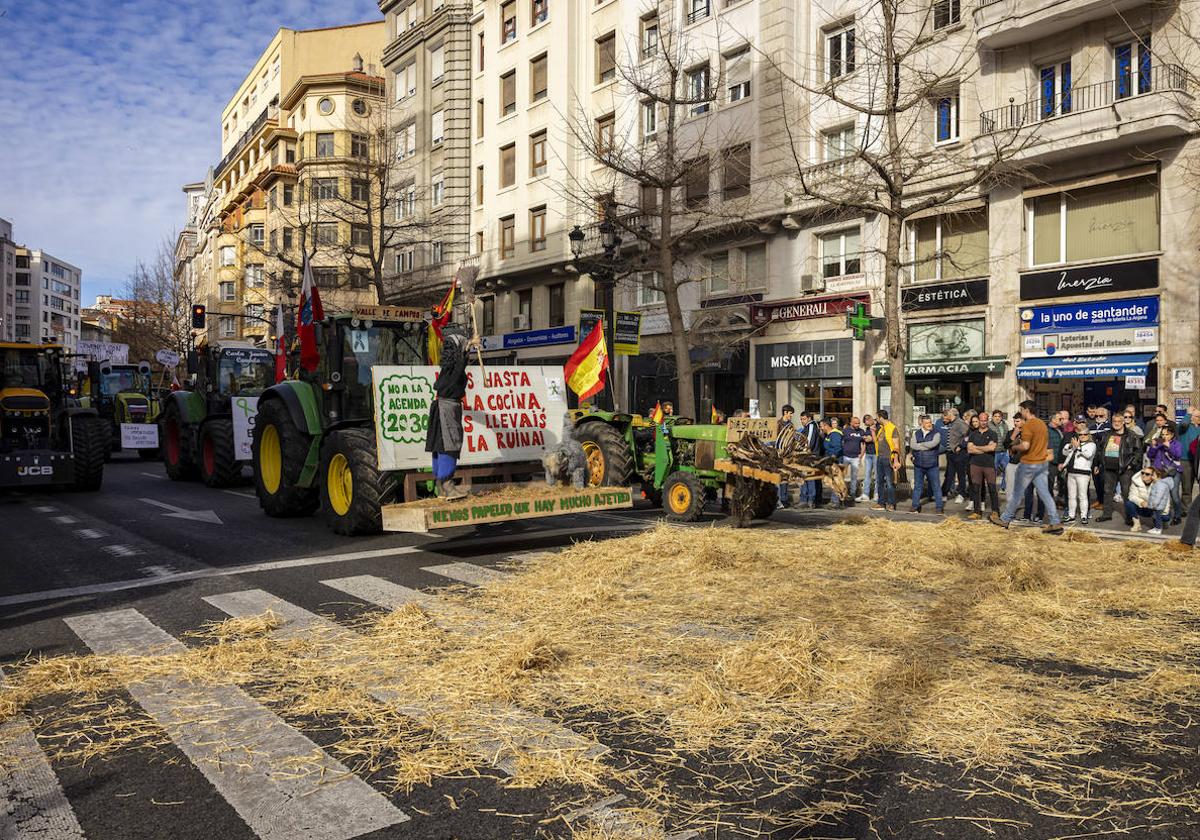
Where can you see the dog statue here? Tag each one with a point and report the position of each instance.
(566, 462)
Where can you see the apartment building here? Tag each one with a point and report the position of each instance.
(290, 143)
(428, 67)
(45, 298)
(8, 276)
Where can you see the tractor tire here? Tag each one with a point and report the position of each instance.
(683, 497)
(218, 467)
(279, 450)
(609, 457)
(766, 500)
(177, 457)
(89, 436)
(353, 490)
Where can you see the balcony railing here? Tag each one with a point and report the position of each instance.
(1165, 77)
(243, 141)
(699, 12)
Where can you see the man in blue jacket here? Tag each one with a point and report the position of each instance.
(853, 440)
(925, 446)
(831, 445)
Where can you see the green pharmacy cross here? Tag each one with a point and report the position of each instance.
(860, 322)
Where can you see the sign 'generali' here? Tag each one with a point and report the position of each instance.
(802, 310)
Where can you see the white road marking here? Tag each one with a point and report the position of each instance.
(44, 509)
(32, 803)
(154, 475)
(497, 732)
(120, 550)
(209, 516)
(197, 574)
(243, 494)
(89, 534)
(376, 590)
(241, 747)
(468, 573)
(159, 571)
(65, 520)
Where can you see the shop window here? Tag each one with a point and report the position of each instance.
(841, 253)
(951, 247)
(1101, 221)
(766, 399)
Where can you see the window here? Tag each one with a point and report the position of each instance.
(537, 230)
(289, 192)
(537, 79)
(360, 190)
(326, 278)
(946, 118)
(254, 276)
(406, 207)
(1123, 56)
(228, 328)
(287, 239)
(1054, 82)
(950, 247)
(358, 146)
(525, 306)
(324, 188)
(539, 12)
(478, 118)
(697, 10)
(839, 52)
(254, 311)
(606, 58)
(736, 172)
(228, 291)
(604, 135)
(327, 233)
(649, 40)
(558, 309)
(508, 234)
(325, 144)
(508, 21)
(649, 119)
(437, 189)
(841, 253)
(479, 186)
(479, 53)
(406, 142)
(537, 154)
(273, 195)
(1096, 222)
(839, 143)
(737, 75)
(648, 198)
(437, 64)
(945, 13)
(437, 127)
(489, 315)
(508, 165)
(695, 187)
(360, 278)
(22, 295)
(718, 272)
(228, 255)
(437, 252)
(754, 266)
(478, 242)
(508, 93)
(406, 81)
(274, 239)
(255, 234)
(360, 236)
(698, 86)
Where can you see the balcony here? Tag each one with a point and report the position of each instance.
(1005, 23)
(699, 11)
(1140, 108)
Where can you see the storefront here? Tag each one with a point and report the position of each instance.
(1098, 352)
(814, 376)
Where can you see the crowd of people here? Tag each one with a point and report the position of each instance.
(1080, 469)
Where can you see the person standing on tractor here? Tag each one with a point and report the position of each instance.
(444, 439)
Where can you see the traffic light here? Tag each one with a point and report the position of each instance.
(198, 316)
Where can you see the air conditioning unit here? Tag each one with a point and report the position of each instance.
(520, 322)
(812, 283)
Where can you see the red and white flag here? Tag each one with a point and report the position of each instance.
(280, 347)
(308, 313)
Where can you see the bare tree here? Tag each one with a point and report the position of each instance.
(158, 313)
(900, 81)
(656, 169)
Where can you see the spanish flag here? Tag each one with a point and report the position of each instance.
(437, 323)
(657, 415)
(587, 368)
(714, 415)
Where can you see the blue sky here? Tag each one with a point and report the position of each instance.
(110, 107)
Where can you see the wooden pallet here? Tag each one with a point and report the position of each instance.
(431, 515)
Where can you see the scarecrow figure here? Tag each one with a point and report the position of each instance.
(567, 461)
(444, 440)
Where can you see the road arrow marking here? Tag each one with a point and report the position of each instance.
(180, 513)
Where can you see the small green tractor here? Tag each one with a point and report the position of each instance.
(44, 439)
(121, 394)
(196, 426)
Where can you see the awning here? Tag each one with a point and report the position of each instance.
(1077, 367)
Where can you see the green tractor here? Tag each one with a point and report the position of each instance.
(676, 462)
(196, 426)
(314, 437)
(121, 394)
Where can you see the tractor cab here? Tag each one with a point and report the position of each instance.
(352, 343)
(120, 393)
(233, 369)
(31, 391)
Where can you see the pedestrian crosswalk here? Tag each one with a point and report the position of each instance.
(247, 753)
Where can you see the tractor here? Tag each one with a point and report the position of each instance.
(121, 394)
(196, 427)
(314, 437)
(43, 439)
